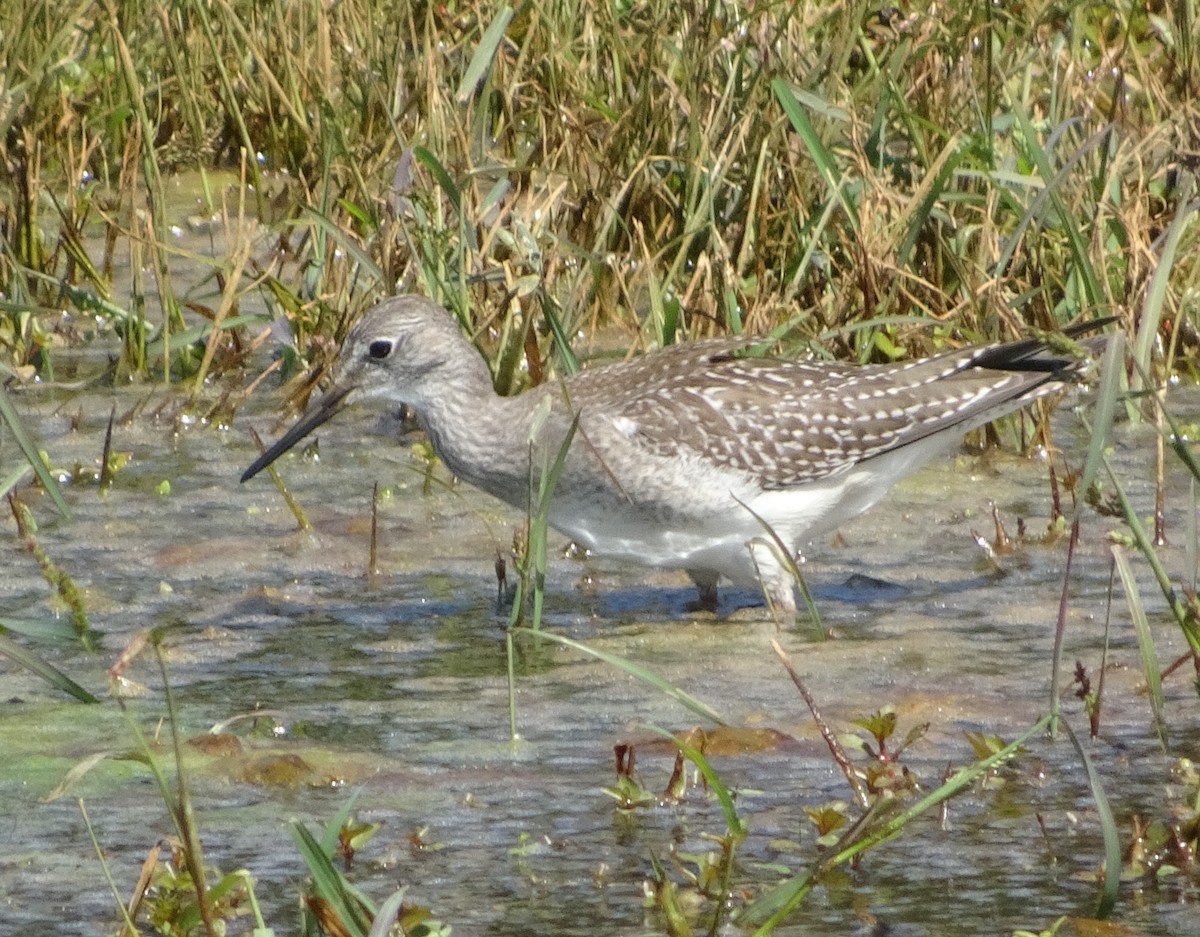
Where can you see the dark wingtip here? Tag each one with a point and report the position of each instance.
(1041, 355)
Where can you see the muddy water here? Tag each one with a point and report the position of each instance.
(397, 690)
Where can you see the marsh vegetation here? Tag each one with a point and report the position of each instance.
(198, 198)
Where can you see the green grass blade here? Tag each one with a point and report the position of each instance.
(1146, 547)
(735, 824)
(822, 158)
(935, 184)
(1192, 550)
(1111, 372)
(40, 629)
(641, 673)
(535, 559)
(14, 478)
(468, 238)
(771, 908)
(1093, 294)
(8, 415)
(48, 672)
(1108, 828)
(663, 325)
(328, 883)
(81, 298)
(333, 829)
(567, 361)
(102, 858)
(1179, 439)
(349, 244)
(190, 336)
(386, 916)
(1152, 307)
(510, 669)
(785, 558)
(539, 526)
(447, 184)
(1145, 639)
(181, 805)
(481, 61)
(508, 375)
(1060, 632)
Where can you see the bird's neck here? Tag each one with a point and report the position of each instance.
(480, 436)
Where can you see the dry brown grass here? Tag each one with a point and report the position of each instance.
(628, 163)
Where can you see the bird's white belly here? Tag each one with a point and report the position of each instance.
(630, 538)
(716, 542)
(714, 533)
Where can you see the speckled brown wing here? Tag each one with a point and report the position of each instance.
(612, 387)
(785, 423)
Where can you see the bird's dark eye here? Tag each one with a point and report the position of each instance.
(379, 349)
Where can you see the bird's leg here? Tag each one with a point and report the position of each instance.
(707, 599)
(778, 586)
(505, 592)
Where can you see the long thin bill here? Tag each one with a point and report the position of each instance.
(325, 410)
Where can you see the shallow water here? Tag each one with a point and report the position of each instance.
(398, 691)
